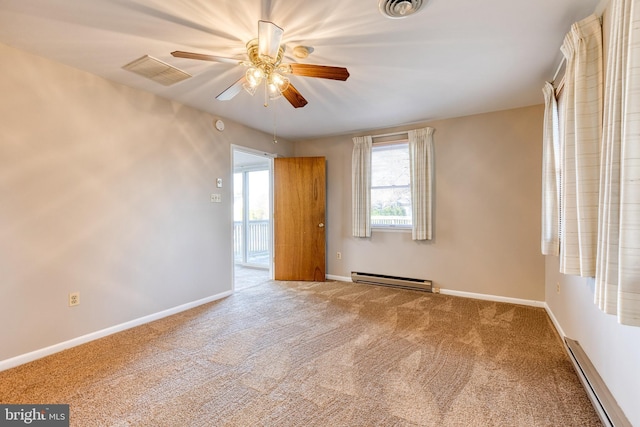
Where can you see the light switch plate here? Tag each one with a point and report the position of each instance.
(216, 198)
(219, 183)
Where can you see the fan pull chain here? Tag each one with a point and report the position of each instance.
(266, 96)
(275, 141)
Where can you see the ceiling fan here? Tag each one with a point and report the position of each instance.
(265, 64)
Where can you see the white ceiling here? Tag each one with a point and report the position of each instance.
(453, 58)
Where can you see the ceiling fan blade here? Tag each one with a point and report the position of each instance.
(232, 90)
(321, 71)
(269, 38)
(205, 57)
(294, 97)
(266, 9)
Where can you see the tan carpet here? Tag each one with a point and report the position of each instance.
(319, 354)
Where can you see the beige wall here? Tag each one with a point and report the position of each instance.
(487, 209)
(105, 190)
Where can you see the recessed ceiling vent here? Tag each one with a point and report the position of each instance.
(397, 9)
(156, 70)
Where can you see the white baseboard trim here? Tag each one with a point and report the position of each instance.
(532, 303)
(38, 354)
(555, 322)
(495, 298)
(338, 278)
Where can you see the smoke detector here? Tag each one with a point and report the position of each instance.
(397, 9)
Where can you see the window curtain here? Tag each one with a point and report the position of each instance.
(606, 289)
(616, 186)
(361, 186)
(550, 242)
(582, 49)
(629, 249)
(421, 170)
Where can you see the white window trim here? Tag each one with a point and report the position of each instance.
(387, 141)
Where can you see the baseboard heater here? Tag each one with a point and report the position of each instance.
(394, 281)
(605, 405)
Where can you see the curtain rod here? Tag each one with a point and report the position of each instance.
(382, 135)
(555, 76)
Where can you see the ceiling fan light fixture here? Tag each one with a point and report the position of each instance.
(254, 76)
(251, 90)
(396, 9)
(265, 54)
(278, 80)
(276, 84)
(274, 92)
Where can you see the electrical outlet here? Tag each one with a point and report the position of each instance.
(557, 287)
(338, 255)
(216, 198)
(74, 299)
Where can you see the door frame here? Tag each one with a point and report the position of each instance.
(270, 156)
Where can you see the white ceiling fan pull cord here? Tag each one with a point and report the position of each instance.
(266, 95)
(275, 141)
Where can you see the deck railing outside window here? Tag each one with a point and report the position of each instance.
(257, 242)
(400, 221)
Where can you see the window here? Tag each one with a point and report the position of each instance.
(390, 185)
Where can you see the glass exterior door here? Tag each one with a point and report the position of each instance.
(251, 207)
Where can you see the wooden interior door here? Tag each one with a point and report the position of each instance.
(299, 218)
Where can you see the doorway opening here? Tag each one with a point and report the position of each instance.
(252, 217)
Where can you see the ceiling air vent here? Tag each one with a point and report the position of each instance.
(156, 70)
(397, 9)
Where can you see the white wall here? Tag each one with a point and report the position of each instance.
(105, 190)
(487, 209)
(613, 349)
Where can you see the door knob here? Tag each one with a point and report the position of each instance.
(321, 225)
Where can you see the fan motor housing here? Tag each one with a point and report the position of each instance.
(256, 59)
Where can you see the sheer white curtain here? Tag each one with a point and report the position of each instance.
(606, 289)
(583, 88)
(361, 186)
(550, 242)
(421, 170)
(629, 256)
